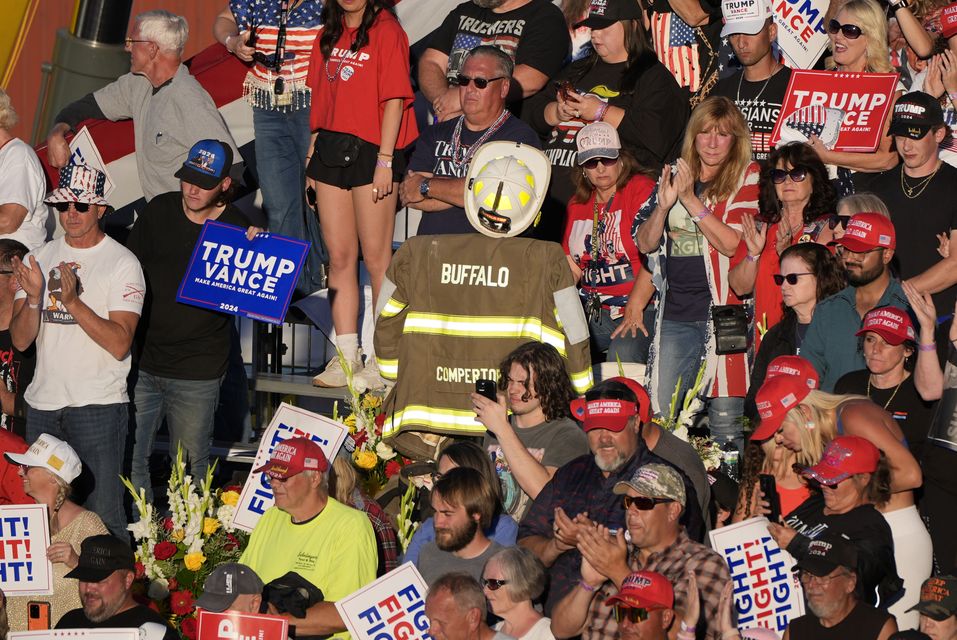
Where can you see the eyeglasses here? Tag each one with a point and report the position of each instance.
(130, 41)
(642, 503)
(797, 174)
(481, 83)
(634, 615)
(841, 250)
(605, 162)
(790, 278)
(824, 581)
(836, 220)
(493, 584)
(850, 31)
(63, 207)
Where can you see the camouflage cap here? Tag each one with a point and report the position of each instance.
(938, 597)
(655, 481)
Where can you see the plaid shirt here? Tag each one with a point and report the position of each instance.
(673, 562)
(580, 486)
(385, 535)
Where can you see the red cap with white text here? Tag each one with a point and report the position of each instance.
(292, 457)
(794, 366)
(774, 400)
(644, 590)
(867, 231)
(891, 323)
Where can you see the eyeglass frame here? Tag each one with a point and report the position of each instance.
(129, 42)
(806, 578)
(841, 250)
(485, 82)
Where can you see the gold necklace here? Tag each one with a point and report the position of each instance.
(922, 185)
(896, 389)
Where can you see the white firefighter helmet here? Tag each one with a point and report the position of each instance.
(504, 188)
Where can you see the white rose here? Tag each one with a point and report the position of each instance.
(384, 451)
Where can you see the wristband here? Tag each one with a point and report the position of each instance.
(927, 347)
(587, 587)
(688, 628)
(600, 114)
(952, 95)
(384, 155)
(33, 306)
(751, 258)
(701, 216)
(385, 164)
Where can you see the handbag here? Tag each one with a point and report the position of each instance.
(730, 323)
(337, 149)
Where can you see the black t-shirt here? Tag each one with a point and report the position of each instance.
(533, 34)
(760, 102)
(131, 618)
(918, 220)
(912, 413)
(16, 372)
(177, 340)
(862, 623)
(688, 297)
(433, 154)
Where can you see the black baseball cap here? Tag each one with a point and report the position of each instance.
(915, 114)
(100, 556)
(227, 582)
(207, 164)
(827, 553)
(604, 13)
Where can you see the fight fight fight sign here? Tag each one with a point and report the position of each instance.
(232, 625)
(288, 422)
(24, 538)
(391, 608)
(766, 591)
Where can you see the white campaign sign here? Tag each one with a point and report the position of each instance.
(24, 538)
(84, 151)
(289, 422)
(802, 34)
(391, 608)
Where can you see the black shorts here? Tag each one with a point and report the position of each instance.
(358, 173)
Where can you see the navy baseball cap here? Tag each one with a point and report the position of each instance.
(207, 164)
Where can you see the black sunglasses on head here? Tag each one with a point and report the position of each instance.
(797, 174)
(481, 83)
(835, 220)
(62, 207)
(850, 31)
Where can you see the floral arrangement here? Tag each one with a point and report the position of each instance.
(678, 423)
(175, 553)
(376, 461)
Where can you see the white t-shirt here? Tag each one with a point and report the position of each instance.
(24, 184)
(72, 370)
(541, 630)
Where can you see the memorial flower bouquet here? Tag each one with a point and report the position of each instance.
(681, 418)
(175, 553)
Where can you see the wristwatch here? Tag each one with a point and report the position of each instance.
(424, 188)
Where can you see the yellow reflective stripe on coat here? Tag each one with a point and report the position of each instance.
(582, 381)
(388, 367)
(426, 418)
(484, 327)
(392, 308)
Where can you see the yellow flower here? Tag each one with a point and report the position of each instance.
(210, 525)
(178, 535)
(230, 497)
(350, 422)
(194, 561)
(365, 459)
(371, 401)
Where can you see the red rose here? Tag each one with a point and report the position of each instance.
(164, 550)
(140, 570)
(172, 585)
(188, 627)
(231, 542)
(391, 468)
(379, 421)
(181, 603)
(167, 524)
(359, 438)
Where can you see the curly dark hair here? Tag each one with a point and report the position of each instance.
(752, 467)
(878, 489)
(822, 263)
(823, 199)
(333, 18)
(552, 384)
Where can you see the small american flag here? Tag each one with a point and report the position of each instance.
(677, 48)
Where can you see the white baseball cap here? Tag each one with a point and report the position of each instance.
(52, 454)
(744, 16)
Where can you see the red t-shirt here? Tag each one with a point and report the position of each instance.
(354, 101)
(619, 258)
(11, 485)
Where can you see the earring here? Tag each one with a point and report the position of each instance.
(809, 424)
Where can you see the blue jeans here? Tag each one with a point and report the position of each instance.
(680, 350)
(625, 347)
(724, 422)
(188, 406)
(97, 433)
(282, 144)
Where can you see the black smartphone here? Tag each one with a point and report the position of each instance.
(770, 490)
(38, 616)
(487, 388)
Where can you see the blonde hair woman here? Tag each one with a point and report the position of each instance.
(696, 214)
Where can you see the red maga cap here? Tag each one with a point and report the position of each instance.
(611, 413)
(891, 323)
(774, 400)
(867, 231)
(644, 590)
(292, 457)
(794, 366)
(843, 457)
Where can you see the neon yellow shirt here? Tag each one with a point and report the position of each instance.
(336, 550)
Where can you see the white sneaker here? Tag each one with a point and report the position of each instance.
(368, 379)
(334, 375)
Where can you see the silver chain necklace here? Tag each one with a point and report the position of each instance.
(737, 97)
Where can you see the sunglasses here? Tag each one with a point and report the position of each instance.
(492, 584)
(63, 207)
(634, 615)
(481, 83)
(797, 174)
(850, 31)
(605, 162)
(835, 220)
(790, 278)
(642, 503)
